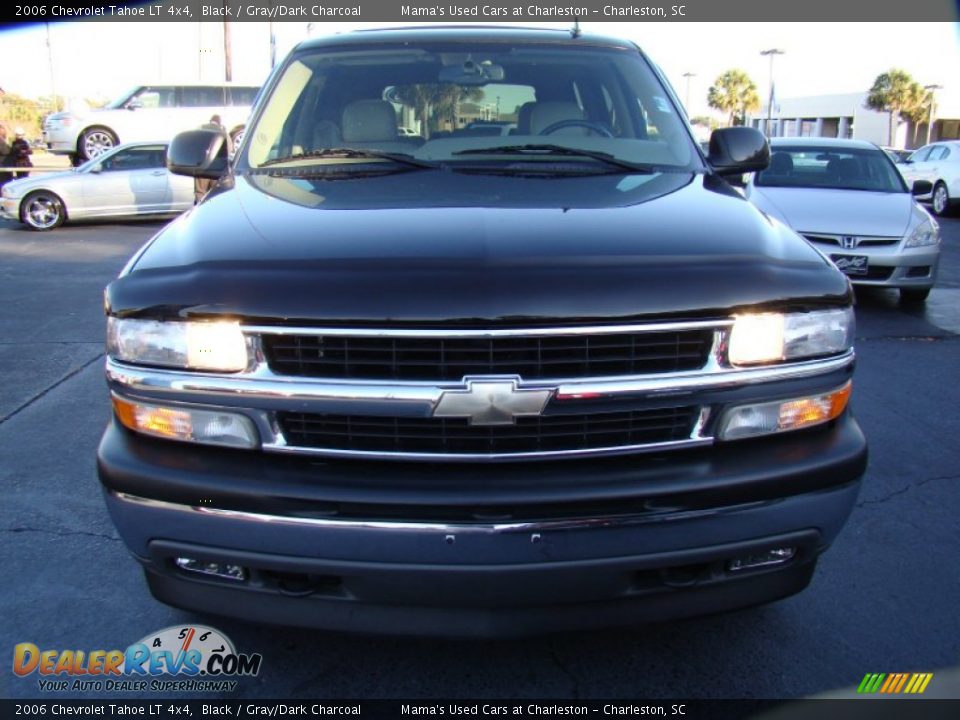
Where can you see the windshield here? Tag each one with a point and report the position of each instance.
(445, 103)
(123, 98)
(829, 167)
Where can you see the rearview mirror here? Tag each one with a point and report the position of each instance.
(472, 73)
(198, 153)
(921, 187)
(738, 150)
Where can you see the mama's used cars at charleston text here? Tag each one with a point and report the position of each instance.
(476, 385)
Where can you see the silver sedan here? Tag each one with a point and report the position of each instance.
(128, 181)
(850, 202)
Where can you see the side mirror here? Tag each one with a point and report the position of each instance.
(96, 168)
(198, 153)
(738, 150)
(921, 187)
(134, 105)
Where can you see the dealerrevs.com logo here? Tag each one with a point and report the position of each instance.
(175, 659)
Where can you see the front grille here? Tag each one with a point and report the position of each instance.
(545, 433)
(862, 242)
(451, 358)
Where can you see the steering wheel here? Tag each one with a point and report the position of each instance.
(574, 122)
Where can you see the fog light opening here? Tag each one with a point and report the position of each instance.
(224, 571)
(767, 558)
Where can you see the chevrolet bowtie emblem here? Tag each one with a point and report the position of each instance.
(491, 402)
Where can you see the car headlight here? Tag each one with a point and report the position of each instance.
(216, 345)
(926, 233)
(776, 337)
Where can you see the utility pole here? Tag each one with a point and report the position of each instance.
(227, 53)
(686, 101)
(932, 89)
(53, 82)
(771, 53)
(273, 47)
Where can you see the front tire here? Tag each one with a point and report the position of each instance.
(95, 141)
(42, 211)
(914, 296)
(940, 200)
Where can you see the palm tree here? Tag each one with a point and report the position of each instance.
(900, 95)
(433, 102)
(735, 94)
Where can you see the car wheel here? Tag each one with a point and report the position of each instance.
(914, 296)
(42, 210)
(95, 141)
(940, 200)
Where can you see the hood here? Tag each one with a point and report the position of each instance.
(837, 212)
(440, 246)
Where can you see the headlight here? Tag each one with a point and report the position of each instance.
(189, 345)
(925, 233)
(774, 337)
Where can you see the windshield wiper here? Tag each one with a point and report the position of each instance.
(350, 153)
(548, 149)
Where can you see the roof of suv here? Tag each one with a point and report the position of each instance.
(460, 33)
(838, 143)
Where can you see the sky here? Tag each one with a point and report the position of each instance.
(820, 58)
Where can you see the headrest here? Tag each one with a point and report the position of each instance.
(369, 121)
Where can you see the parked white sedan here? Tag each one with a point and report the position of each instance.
(938, 164)
(127, 181)
(847, 198)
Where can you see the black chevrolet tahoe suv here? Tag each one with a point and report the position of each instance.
(398, 373)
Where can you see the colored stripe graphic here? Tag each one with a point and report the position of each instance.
(894, 683)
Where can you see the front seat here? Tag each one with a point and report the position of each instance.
(545, 114)
(371, 122)
(781, 163)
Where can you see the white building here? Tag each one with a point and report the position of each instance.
(844, 116)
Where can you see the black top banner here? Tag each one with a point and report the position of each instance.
(164, 709)
(492, 11)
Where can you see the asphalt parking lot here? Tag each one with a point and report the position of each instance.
(884, 599)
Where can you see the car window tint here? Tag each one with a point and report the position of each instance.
(939, 152)
(242, 96)
(203, 96)
(440, 101)
(138, 158)
(831, 167)
(156, 97)
(920, 155)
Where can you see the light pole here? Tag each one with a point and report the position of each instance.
(932, 89)
(53, 82)
(686, 100)
(771, 53)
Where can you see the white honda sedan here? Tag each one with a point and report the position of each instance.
(938, 164)
(131, 180)
(847, 198)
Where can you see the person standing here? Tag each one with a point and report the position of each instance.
(5, 159)
(20, 152)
